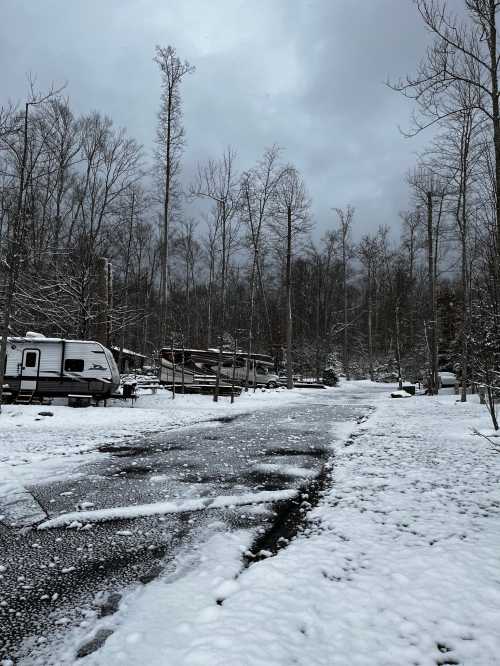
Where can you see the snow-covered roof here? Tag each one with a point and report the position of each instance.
(187, 349)
(129, 352)
(41, 339)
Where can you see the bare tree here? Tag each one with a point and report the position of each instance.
(368, 252)
(345, 218)
(170, 141)
(218, 182)
(464, 53)
(428, 189)
(258, 190)
(462, 151)
(210, 248)
(290, 219)
(188, 251)
(17, 223)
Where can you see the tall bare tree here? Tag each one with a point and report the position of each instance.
(170, 141)
(345, 218)
(218, 182)
(368, 252)
(258, 190)
(291, 219)
(430, 194)
(458, 152)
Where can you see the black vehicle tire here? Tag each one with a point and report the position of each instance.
(272, 385)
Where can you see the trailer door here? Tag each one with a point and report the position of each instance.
(30, 369)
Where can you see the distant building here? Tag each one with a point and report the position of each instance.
(129, 361)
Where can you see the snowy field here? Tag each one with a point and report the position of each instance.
(400, 563)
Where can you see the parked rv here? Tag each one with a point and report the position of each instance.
(198, 366)
(54, 367)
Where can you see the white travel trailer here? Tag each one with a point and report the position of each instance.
(55, 367)
(199, 366)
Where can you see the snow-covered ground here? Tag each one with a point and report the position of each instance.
(36, 448)
(399, 564)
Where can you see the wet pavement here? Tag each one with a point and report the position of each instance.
(54, 579)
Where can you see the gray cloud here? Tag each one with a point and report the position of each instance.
(307, 75)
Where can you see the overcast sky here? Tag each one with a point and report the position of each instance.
(305, 74)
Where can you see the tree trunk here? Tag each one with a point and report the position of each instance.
(370, 335)
(317, 317)
(434, 373)
(126, 280)
(344, 286)
(166, 224)
(209, 303)
(492, 46)
(223, 301)
(223, 273)
(465, 321)
(289, 367)
(398, 349)
(250, 324)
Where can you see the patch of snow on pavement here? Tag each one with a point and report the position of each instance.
(285, 470)
(18, 508)
(77, 518)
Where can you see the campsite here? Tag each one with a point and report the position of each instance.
(249, 333)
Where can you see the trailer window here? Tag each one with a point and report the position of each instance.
(30, 360)
(74, 365)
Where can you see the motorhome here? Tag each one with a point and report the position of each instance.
(198, 366)
(55, 367)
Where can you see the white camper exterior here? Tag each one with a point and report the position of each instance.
(58, 367)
